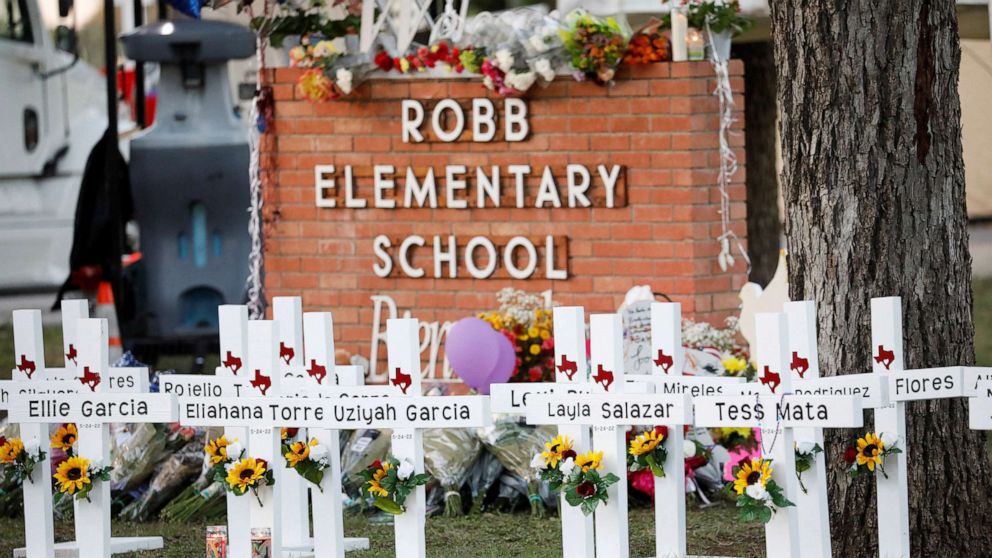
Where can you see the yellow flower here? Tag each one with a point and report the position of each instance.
(65, 437)
(727, 431)
(533, 331)
(645, 443)
(72, 474)
(535, 349)
(216, 449)
(245, 474)
(870, 450)
(756, 471)
(11, 450)
(299, 451)
(734, 365)
(315, 86)
(545, 333)
(375, 485)
(557, 448)
(590, 460)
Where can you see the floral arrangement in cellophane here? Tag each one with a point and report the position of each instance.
(76, 475)
(758, 495)
(389, 482)
(868, 454)
(576, 475)
(526, 320)
(17, 461)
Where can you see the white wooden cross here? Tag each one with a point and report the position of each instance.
(32, 376)
(92, 412)
(778, 413)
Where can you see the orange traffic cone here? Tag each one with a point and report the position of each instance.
(105, 309)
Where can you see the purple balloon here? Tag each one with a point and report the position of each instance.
(472, 349)
(504, 364)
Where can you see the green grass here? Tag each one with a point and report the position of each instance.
(712, 531)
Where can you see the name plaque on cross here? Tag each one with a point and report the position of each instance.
(618, 409)
(94, 408)
(788, 411)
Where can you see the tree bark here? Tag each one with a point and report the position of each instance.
(873, 181)
(764, 223)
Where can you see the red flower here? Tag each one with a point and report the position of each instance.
(3, 441)
(850, 455)
(663, 430)
(586, 489)
(263, 463)
(383, 61)
(535, 374)
(376, 465)
(695, 462)
(569, 453)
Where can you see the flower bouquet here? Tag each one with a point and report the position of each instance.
(647, 451)
(648, 45)
(237, 473)
(526, 321)
(439, 55)
(514, 444)
(720, 15)
(870, 453)
(596, 46)
(300, 17)
(806, 453)
(577, 476)
(389, 482)
(758, 495)
(502, 59)
(308, 458)
(448, 455)
(17, 462)
(75, 476)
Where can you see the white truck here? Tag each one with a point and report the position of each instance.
(52, 112)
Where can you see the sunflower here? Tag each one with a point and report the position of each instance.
(72, 474)
(65, 437)
(375, 485)
(217, 450)
(756, 471)
(10, 451)
(245, 474)
(870, 451)
(590, 460)
(299, 451)
(558, 447)
(645, 443)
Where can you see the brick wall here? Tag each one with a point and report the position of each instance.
(660, 122)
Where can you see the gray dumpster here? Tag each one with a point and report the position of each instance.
(189, 176)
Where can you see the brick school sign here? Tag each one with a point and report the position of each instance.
(438, 194)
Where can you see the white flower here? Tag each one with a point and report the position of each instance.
(543, 66)
(567, 466)
(689, 448)
(343, 78)
(805, 448)
(756, 491)
(319, 453)
(520, 82)
(504, 59)
(32, 449)
(488, 82)
(234, 451)
(405, 470)
(889, 440)
(537, 462)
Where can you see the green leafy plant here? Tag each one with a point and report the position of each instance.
(806, 453)
(389, 482)
(758, 496)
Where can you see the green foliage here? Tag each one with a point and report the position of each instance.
(725, 16)
(804, 462)
(397, 489)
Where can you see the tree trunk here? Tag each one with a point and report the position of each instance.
(873, 181)
(764, 224)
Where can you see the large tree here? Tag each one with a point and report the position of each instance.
(873, 181)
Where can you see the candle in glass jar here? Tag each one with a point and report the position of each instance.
(261, 542)
(680, 26)
(696, 45)
(217, 541)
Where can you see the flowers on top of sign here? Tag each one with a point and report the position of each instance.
(526, 320)
(869, 453)
(596, 46)
(17, 461)
(328, 18)
(758, 495)
(389, 482)
(576, 475)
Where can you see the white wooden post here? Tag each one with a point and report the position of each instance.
(781, 533)
(403, 346)
(811, 505)
(571, 368)
(893, 496)
(29, 349)
(72, 312)
(287, 311)
(233, 331)
(668, 357)
(93, 516)
(606, 361)
(264, 440)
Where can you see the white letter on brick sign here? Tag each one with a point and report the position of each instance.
(515, 117)
(384, 266)
(578, 184)
(490, 249)
(550, 271)
(483, 116)
(442, 256)
(381, 183)
(413, 117)
(454, 179)
(420, 192)
(609, 182)
(405, 248)
(321, 184)
(511, 266)
(456, 110)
